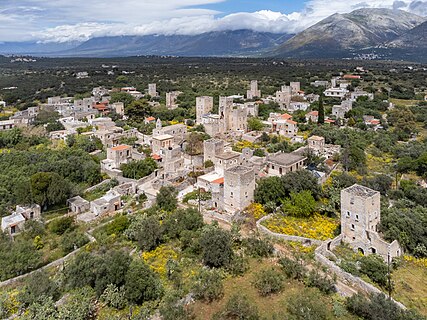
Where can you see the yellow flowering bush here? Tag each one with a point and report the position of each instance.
(317, 227)
(9, 303)
(240, 145)
(417, 261)
(158, 258)
(256, 210)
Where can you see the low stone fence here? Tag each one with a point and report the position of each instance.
(285, 237)
(98, 185)
(320, 255)
(322, 251)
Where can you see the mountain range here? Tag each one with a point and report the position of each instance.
(219, 43)
(379, 33)
(341, 35)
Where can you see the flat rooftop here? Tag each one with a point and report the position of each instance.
(361, 191)
(163, 137)
(239, 170)
(286, 159)
(228, 155)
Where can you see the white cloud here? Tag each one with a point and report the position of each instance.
(44, 20)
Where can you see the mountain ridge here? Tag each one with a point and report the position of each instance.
(339, 34)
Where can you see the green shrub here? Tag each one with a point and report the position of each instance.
(268, 282)
(118, 226)
(208, 285)
(375, 268)
(73, 239)
(292, 269)
(59, 226)
(321, 282)
(258, 248)
(238, 307)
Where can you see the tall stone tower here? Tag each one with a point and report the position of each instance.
(360, 217)
(224, 110)
(253, 91)
(239, 186)
(152, 90)
(295, 87)
(204, 105)
(212, 148)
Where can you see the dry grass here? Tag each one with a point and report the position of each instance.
(411, 286)
(405, 103)
(268, 306)
(243, 285)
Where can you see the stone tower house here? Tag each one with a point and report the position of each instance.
(239, 186)
(212, 148)
(204, 105)
(360, 218)
(225, 109)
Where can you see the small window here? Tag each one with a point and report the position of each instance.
(352, 227)
(352, 201)
(348, 214)
(357, 217)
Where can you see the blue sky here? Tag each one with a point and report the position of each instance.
(285, 6)
(80, 20)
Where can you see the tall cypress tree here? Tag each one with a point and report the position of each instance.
(321, 117)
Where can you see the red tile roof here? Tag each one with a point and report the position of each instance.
(313, 113)
(150, 119)
(219, 181)
(292, 122)
(286, 116)
(156, 157)
(351, 76)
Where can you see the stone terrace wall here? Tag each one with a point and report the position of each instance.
(321, 254)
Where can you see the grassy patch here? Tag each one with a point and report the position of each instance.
(404, 103)
(269, 307)
(411, 285)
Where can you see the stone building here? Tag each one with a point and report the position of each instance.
(295, 88)
(119, 108)
(312, 116)
(316, 144)
(224, 111)
(152, 90)
(116, 156)
(78, 205)
(213, 125)
(253, 92)
(239, 186)
(360, 218)
(212, 148)
(339, 111)
(284, 96)
(161, 142)
(281, 163)
(171, 98)
(15, 222)
(177, 131)
(204, 106)
(172, 159)
(109, 203)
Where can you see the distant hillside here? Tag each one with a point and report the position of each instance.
(415, 38)
(35, 48)
(340, 34)
(224, 43)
